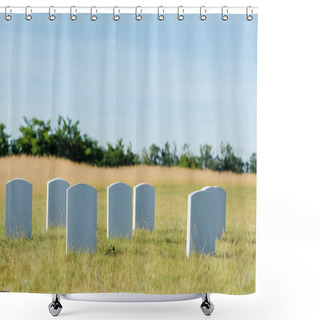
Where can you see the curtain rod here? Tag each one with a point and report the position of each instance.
(127, 9)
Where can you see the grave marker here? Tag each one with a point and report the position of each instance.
(143, 206)
(119, 211)
(18, 209)
(56, 202)
(201, 223)
(81, 218)
(219, 196)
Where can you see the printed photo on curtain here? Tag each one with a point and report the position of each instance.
(128, 153)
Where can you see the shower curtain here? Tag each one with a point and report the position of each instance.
(128, 153)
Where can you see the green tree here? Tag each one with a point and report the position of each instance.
(151, 157)
(166, 156)
(36, 138)
(154, 154)
(145, 157)
(131, 158)
(205, 156)
(215, 164)
(175, 157)
(93, 153)
(114, 156)
(69, 143)
(4, 141)
(187, 159)
(230, 162)
(253, 163)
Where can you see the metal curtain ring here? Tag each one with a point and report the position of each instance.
(224, 13)
(73, 16)
(93, 16)
(160, 16)
(6, 15)
(138, 16)
(28, 15)
(249, 17)
(180, 14)
(52, 16)
(203, 13)
(116, 17)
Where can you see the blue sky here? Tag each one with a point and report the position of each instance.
(146, 82)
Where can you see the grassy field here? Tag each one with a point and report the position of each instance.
(152, 262)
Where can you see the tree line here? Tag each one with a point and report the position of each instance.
(38, 138)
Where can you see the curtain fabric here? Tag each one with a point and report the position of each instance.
(128, 154)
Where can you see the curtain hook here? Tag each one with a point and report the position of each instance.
(203, 13)
(93, 16)
(52, 16)
(249, 17)
(224, 13)
(28, 16)
(116, 17)
(73, 16)
(138, 16)
(180, 14)
(6, 15)
(160, 16)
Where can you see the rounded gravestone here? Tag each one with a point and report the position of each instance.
(18, 221)
(143, 206)
(56, 202)
(219, 197)
(201, 223)
(119, 211)
(81, 219)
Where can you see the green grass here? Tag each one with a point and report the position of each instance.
(152, 262)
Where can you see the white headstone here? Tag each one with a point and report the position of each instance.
(18, 209)
(119, 211)
(201, 224)
(143, 206)
(220, 197)
(81, 218)
(56, 202)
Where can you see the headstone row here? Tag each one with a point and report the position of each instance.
(206, 219)
(76, 208)
(82, 213)
(119, 210)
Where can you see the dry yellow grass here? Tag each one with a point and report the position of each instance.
(152, 262)
(39, 170)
